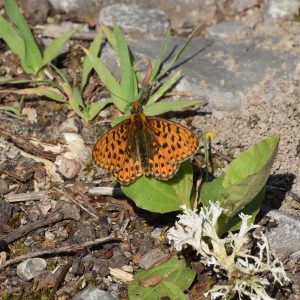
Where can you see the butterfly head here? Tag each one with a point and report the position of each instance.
(136, 107)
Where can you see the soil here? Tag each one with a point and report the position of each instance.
(85, 217)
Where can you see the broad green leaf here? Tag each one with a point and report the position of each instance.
(164, 88)
(251, 209)
(173, 272)
(162, 196)
(243, 180)
(173, 291)
(33, 55)
(96, 107)
(49, 92)
(163, 107)
(54, 48)
(128, 78)
(87, 66)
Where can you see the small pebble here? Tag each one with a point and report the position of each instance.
(27, 269)
(151, 258)
(93, 294)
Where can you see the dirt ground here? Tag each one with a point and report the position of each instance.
(67, 215)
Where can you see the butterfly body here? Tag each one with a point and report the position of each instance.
(143, 145)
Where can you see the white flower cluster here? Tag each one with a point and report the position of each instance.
(228, 256)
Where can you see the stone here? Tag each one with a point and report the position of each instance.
(151, 258)
(68, 126)
(281, 9)
(284, 239)
(27, 269)
(206, 66)
(69, 168)
(180, 11)
(93, 294)
(242, 5)
(226, 29)
(135, 20)
(35, 11)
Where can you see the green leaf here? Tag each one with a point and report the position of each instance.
(164, 88)
(49, 92)
(110, 37)
(33, 55)
(243, 180)
(162, 196)
(173, 272)
(14, 42)
(87, 66)
(128, 79)
(54, 48)
(251, 209)
(163, 107)
(96, 107)
(76, 102)
(107, 78)
(178, 54)
(14, 109)
(162, 53)
(118, 120)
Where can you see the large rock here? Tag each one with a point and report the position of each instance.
(136, 20)
(179, 11)
(222, 71)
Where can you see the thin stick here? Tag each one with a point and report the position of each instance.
(106, 191)
(66, 249)
(23, 197)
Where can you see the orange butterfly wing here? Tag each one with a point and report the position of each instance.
(176, 142)
(110, 150)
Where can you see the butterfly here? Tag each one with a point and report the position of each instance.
(144, 145)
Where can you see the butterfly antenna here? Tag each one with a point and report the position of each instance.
(116, 95)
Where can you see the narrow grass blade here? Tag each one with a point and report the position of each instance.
(110, 37)
(14, 42)
(49, 92)
(162, 53)
(96, 107)
(164, 88)
(87, 66)
(163, 107)
(179, 52)
(33, 55)
(54, 48)
(128, 77)
(107, 78)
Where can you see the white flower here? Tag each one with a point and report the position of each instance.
(228, 255)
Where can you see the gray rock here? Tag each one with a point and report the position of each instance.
(151, 258)
(281, 8)
(226, 29)
(35, 11)
(284, 239)
(136, 20)
(179, 11)
(93, 294)
(242, 5)
(221, 71)
(27, 269)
